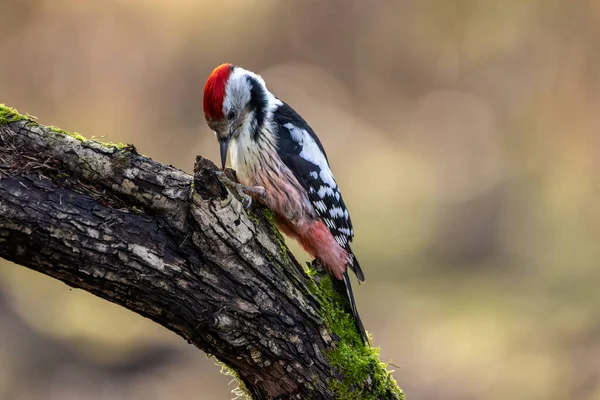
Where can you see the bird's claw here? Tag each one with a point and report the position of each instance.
(240, 196)
(238, 191)
(246, 200)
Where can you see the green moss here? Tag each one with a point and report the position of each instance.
(364, 376)
(270, 217)
(9, 115)
(119, 145)
(251, 216)
(308, 270)
(81, 138)
(74, 135)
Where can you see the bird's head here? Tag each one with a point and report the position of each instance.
(235, 104)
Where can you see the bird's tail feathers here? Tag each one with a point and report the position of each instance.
(359, 325)
(355, 267)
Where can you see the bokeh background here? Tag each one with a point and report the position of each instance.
(465, 137)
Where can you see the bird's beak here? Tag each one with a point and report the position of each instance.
(224, 144)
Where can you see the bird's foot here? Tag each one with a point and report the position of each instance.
(318, 270)
(241, 193)
(318, 265)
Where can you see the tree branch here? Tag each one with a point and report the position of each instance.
(156, 240)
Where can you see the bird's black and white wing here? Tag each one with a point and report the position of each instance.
(302, 152)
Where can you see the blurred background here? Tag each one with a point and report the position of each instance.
(465, 137)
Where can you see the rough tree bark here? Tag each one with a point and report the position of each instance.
(157, 241)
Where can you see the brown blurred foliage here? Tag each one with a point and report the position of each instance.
(465, 137)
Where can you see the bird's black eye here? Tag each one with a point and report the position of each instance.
(231, 115)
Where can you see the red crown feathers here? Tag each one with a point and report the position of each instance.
(214, 92)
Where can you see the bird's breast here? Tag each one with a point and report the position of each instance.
(256, 166)
(243, 160)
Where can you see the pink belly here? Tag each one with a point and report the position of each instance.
(296, 216)
(316, 239)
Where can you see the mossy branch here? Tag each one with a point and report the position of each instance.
(151, 238)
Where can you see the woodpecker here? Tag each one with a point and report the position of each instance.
(281, 162)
